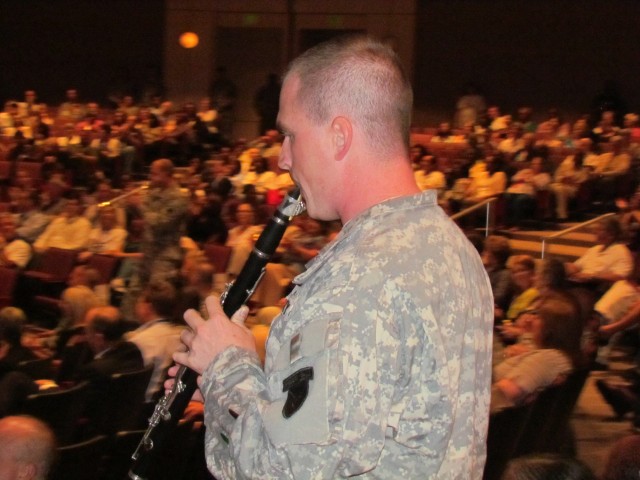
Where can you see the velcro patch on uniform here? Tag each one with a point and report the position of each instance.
(297, 387)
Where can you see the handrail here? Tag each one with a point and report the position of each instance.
(580, 226)
(475, 207)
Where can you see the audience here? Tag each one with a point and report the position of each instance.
(231, 185)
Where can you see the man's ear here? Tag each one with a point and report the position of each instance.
(342, 135)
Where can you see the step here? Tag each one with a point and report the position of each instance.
(566, 253)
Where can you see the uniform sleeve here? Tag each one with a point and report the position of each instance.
(338, 430)
(167, 215)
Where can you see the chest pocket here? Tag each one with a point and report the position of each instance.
(299, 413)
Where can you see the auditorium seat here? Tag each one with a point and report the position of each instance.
(8, 279)
(124, 402)
(218, 255)
(106, 266)
(81, 461)
(60, 409)
(40, 368)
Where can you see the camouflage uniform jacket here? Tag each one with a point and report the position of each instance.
(379, 367)
(165, 213)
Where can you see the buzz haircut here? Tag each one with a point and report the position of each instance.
(361, 78)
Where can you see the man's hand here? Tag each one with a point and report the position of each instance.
(206, 339)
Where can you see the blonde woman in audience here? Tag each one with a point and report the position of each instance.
(556, 331)
(522, 269)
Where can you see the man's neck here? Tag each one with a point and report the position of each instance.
(371, 187)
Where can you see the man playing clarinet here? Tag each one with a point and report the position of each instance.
(379, 365)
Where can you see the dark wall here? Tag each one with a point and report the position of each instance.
(539, 52)
(96, 45)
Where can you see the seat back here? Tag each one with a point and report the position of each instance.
(5, 169)
(175, 460)
(8, 278)
(81, 461)
(124, 401)
(106, 265)
(57, 263)
(554, 435)
(505, 429)
(60, 409)
(37, 369)
(218, 255)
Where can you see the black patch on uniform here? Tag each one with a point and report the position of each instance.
(297, 387)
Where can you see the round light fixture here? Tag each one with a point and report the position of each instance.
(189, 40)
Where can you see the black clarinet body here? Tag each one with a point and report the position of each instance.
(172, 405)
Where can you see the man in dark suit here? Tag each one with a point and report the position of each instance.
(14, 385)
(104, 351)
(102, 354)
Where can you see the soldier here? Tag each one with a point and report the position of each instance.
(380, 363)
(164, 210)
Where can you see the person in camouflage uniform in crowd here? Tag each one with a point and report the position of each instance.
(380, 364)
(164, 210)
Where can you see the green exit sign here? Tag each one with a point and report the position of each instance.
(336, 21)
(250, 19)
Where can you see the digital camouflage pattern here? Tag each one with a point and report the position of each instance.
(165, 214)
(393, 320)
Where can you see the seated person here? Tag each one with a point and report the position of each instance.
(428, 177)
(12, 350)
(158, 337)
(488, 180)
(103, 353)
(495, 254)
(616, 311)
(69, 231)
(522, 268)
(241, 237)
(607, 262)
(14, 251)
(520, 197)
(107, 238)
(79, 297)
(14, 385)
(556, 331)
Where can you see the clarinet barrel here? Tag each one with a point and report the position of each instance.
(171, 407)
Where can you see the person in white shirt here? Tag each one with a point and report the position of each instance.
(157, 337)
(107, 238)
(14, 251)
(429, 177)
(69, 231)
(608, 261)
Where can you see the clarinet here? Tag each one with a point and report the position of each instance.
(172, 405)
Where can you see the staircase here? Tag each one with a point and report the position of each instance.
(566, 248)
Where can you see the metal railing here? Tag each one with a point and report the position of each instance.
(571, 229)
(488, 202)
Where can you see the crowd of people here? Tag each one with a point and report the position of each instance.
(154, 185)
